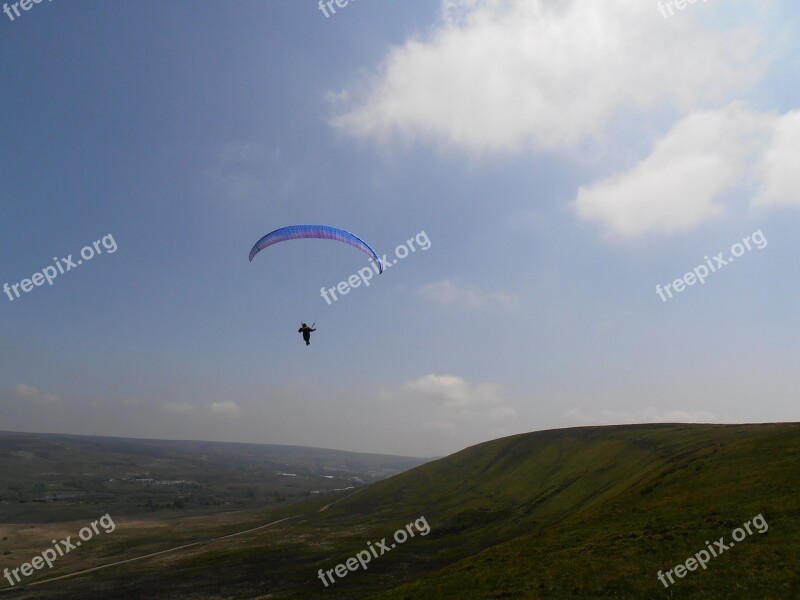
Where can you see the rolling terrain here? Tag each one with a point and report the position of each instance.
(47, 477)
(593, 512)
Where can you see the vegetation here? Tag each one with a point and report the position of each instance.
(47, 478)
(589, 512)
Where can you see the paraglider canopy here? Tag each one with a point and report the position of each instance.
(323, 232)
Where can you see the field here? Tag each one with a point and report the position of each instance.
(575, 513)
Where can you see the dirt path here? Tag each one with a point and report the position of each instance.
(22, 586)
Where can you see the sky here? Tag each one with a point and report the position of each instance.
(590, 211)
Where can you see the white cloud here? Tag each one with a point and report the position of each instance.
(453, 391)
(448, 293)
(456, 12)
(677, 186)
(497, 74)
(225, 409)
(246, 169)
(31, 394)
(649, 414)
(778, 166)
(453, 407)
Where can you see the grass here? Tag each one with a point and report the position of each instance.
(575, 513)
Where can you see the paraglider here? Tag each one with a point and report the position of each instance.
(306, 331)
(323, 232)
(320, 232)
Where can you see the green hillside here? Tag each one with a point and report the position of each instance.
(598, 512)
(575, 513)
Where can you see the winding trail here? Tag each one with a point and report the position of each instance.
(24, 586)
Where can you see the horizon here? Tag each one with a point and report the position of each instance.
(586, 214)
(429, 458)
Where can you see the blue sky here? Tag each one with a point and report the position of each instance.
(563, 158)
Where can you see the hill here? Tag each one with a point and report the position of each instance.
(74, 474)
(592, 512)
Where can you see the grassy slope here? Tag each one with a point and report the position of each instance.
(576, 513)
(645, 499)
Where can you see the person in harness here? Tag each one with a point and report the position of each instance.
(306, 331)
